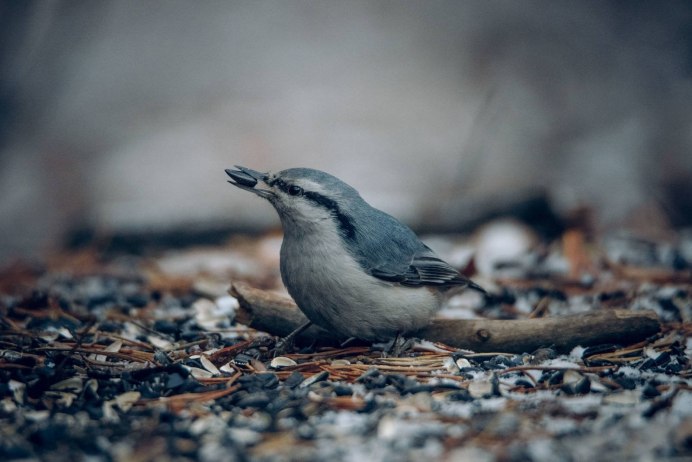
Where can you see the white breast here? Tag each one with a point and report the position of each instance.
(335, 293)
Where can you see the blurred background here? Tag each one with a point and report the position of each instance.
(119, 117)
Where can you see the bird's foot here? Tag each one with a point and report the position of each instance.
(285, 345)
(395, 347)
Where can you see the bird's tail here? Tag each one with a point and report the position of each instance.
(474, 286)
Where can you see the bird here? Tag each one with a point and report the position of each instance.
(352, 269)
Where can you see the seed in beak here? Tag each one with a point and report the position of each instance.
(242, 178)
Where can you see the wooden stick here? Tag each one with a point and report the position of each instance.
(279, 315)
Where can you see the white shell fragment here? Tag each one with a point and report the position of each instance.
(209, 314)
(17, 389)
(114, 347)
(73, 384)
(571, 377)
(124, 403)
(282, 361)
(127, 400)
(198, 373)
(208, 365)
(228, 368)
(450, 366)
(623, 398)
(463, 362)
(479, 389)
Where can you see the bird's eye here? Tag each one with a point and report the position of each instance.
(294, 190)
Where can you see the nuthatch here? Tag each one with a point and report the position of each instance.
(352, 269)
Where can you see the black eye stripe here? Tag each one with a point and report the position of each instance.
(321, 200)
(343, 221)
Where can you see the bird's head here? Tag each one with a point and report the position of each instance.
(303, 197)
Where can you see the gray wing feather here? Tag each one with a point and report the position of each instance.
(403, 258)
(424, 270)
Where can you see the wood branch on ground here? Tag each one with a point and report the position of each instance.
(278, 315)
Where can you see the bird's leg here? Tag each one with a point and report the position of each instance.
(391, 348)
(385, 347)
(286, 344)
(403, 346)
(397, 346)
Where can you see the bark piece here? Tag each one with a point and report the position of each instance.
(279, 315)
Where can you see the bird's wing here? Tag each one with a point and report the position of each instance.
(425, 269)
(399, 256)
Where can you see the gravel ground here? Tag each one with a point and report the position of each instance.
(139, 358)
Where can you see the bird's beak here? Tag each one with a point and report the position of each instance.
(247, 179)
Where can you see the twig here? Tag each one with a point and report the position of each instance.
(279, 316)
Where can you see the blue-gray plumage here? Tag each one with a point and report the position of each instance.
(352, 269)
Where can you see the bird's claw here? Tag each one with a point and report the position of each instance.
(283, 346)
(396, 347)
